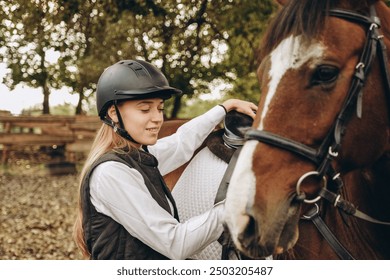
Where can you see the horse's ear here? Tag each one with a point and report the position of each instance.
(282, 2)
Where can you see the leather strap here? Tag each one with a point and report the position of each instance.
(314, 216)
(284, 143)
(348, 208)
(223, 186)
(225, 239)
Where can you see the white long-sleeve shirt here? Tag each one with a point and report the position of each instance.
(120, 193)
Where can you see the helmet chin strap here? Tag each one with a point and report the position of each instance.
(120, 130)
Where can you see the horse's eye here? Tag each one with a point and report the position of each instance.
(324, 74)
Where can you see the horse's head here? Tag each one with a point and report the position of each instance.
(305, 130)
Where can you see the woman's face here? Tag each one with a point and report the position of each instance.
(142, 118)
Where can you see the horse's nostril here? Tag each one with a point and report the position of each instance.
(249, 235)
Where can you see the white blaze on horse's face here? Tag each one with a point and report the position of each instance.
(290, 54)
(241, 193)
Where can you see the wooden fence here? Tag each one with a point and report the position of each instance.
(66, 138)
(69, 134)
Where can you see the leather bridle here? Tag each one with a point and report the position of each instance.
(330, 147)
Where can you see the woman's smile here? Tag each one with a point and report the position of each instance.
(153, 129)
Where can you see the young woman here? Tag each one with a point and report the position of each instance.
(125, 209)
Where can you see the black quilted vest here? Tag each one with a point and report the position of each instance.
(107, 239)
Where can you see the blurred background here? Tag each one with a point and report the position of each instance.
(206, 48)
(51, 56)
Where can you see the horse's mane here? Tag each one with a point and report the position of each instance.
(301, 17)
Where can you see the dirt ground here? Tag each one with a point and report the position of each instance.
(37, 214)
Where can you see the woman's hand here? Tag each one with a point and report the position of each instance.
(241, 106)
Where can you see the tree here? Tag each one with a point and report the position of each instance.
(244, 41)
(80, 23)
(31, 33)
(195, 43)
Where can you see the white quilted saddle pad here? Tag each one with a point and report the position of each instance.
(195, 192)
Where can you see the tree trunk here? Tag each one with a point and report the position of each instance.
(46, 93)
(79, 107)
(176, 106)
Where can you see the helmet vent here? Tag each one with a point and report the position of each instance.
(139, 70)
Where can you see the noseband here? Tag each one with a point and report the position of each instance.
(330, 147)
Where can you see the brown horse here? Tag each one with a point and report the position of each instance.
(313, 179)
(169, 127)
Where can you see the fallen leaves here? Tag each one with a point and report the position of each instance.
(37, 216)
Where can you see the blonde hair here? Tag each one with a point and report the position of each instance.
(105, 140)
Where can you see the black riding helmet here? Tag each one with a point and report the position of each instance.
(129, 80)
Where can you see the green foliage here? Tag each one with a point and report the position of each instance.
(193, 42)
(244, 40)
(34, 110)
(31, 33)
(196, 106)
(197, 44)
(65, 109)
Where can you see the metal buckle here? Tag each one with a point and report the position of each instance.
(360, 65)
(331, 153)
(373, 25)
(311, 215)
(305, 176)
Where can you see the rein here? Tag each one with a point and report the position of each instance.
(329, 149)
(225, 240)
